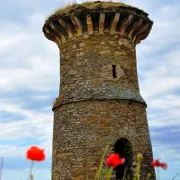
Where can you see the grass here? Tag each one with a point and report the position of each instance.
(89, 6)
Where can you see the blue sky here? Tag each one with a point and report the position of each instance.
(29, 83)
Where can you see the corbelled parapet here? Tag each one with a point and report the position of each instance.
(99, 101)
(97, 18)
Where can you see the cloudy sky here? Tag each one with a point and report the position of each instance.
(29, 83)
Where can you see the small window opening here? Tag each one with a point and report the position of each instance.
(114, 71)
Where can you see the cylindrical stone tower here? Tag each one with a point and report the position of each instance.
(99, 101)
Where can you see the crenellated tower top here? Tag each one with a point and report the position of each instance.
(97, 18)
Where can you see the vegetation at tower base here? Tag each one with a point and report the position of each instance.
(99, 101)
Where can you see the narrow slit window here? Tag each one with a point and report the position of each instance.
(114, 71)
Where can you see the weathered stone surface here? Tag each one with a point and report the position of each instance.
(83, 129)
(91, 74)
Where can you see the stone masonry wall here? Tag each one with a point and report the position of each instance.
(83, 129)
(86, 69)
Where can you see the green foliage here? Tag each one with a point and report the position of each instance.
(99, 171)
(149, 176)
(88, 5)
(138, 167)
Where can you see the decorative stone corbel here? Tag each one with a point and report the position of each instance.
(51, 36)
(89, 24)
(67, 27)
(56, 29)
(77, 23)
(134, 27)
(101, 23)
(125, 24)
(114, 23)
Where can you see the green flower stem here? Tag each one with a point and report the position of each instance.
(158, 173)
(30, 173)
(98, 173)
(31, 177)
(138, 167)
(175, 176)
(104, 174)
(149, 176)
(1, 168)
(124, 174)
(109, 172)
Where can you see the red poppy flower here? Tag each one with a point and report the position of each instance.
(157, 163)
(114, 160)
(35, 154)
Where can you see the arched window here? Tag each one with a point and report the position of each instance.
(124, 149)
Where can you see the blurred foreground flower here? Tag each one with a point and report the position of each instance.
(114, 160)
(34, 154)
(157, 163)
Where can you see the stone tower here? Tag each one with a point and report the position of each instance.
(99, 101)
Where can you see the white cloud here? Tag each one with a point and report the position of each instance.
(175, 130)
(13, 151)
(165, 102)
(166, 153)
(28, 63)
(163, 36)
(166, 118)
(163, 77)
(34, 125)
(7, 41)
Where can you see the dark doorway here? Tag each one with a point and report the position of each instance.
(124, 149)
